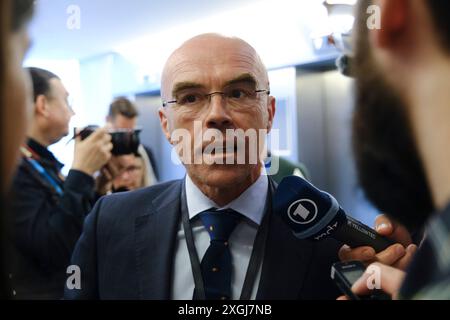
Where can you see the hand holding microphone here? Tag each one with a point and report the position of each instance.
(395, 256)
(313, 214)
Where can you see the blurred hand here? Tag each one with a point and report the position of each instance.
(398, 255)
(103, 183)
(392, 230)
(92, 153)
(390, 281)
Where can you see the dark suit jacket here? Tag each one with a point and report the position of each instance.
(127, 248)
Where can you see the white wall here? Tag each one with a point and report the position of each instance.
(325, 107)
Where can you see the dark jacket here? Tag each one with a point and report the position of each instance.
(46, 225)
(127, 251)
(428, 275)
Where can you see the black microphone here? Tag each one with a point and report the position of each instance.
(314, 214)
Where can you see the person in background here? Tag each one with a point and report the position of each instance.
(49, 209)
(285, 168)
(15, 107)
(123, 114)
(131, 174)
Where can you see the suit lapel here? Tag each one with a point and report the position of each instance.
(155, 235)
(286, 259)
(286, 262)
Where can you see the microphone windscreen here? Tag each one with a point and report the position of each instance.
(309, 212)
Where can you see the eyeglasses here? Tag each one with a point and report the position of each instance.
(239, 96)
(130, 170)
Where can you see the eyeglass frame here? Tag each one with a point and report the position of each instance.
(209, 95)
(131, 170)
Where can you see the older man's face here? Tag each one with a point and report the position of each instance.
(213, 64)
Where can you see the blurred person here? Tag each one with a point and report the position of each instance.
(123, 114)
(16, 86)
(49, 209)
(131, 174)
(285, 168)
(401, 131)
(211, 235)
(15, 100)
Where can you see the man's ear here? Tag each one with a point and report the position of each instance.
(41, 106)
(271, 108)
(394, 15)
(164, 123)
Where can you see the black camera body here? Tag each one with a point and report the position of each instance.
(125, 141)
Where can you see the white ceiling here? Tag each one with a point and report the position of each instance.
(108, 23)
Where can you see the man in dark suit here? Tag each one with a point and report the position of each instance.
(211, 235)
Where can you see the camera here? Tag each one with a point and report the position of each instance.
(125, 141)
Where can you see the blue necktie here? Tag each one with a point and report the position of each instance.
(216, 263)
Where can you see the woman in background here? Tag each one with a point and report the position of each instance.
(132, 174)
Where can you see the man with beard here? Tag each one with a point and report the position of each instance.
(401, 131)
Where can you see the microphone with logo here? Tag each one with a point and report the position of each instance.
(314, 214)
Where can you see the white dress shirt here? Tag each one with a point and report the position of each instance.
(251, 204)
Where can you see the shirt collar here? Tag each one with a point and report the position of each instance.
(251, 203)
(43, 152)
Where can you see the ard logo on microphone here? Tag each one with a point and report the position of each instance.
(302, 211)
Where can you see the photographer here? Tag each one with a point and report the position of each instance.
(123, 114)
(48, 209)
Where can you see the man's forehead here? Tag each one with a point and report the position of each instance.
(213, 57)
(203, 74)
(210, 59)
(127, 158)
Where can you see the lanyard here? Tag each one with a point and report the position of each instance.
(255, 258)
(42, 172)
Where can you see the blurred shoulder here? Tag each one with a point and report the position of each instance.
(145, 194)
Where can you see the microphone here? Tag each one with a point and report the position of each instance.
(314, 214)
